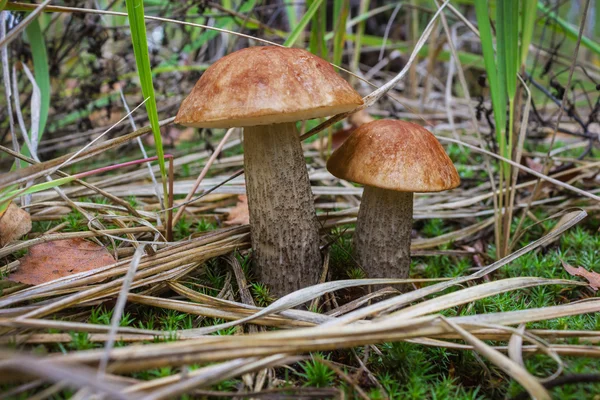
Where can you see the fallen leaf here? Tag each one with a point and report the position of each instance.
(49, 261)
(238, 215)
(592, 277)
(534, 164)
(14, 223)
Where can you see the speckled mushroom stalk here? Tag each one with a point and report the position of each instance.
(393, 159)
(266, 90)
(285, 235)
(382, 235)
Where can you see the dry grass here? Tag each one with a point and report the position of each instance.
(233, 334)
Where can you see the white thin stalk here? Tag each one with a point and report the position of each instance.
(118, 310)
(143, 150)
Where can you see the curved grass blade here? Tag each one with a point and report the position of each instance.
(5, 198)
(360, 30)
(570, 31)
(40, 69)
(317, 32)
(222, 23)
(528, 15)
(290, 12)
(517, 372)
(341, 10)
(135, 12)
(306, 18)
(485, 31)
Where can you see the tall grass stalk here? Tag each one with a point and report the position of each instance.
(318, 29)
(569, 30)
(135, 12)
(6, 197)
(360, 30)
(513, 36)
(290, 12)
(341, 9)
(41, 70)
(507, 22)
(306, 18)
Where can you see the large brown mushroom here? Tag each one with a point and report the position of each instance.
(267, 90)
(393, 159)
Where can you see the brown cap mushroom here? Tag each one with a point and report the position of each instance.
(266, 85)
(267, 90)
(395, 155)
(392, 159)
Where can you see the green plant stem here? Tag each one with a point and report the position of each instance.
(135, 13)
(360, 30)
(306, 18)
(570, 31)
(7, 197)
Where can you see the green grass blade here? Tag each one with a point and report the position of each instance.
(290, 12)
(511, 43)
(3, 4)
(227, 22)
(7, 195)
(528, 15)
(365, 16)
(570, 31)
(306, 18)
(501, 36)
(36, 188)
(360, 30)
(467, 59)
(135, 11)
(40, 69)
(317, 32)
(485, 31)
(597, 24)
(340, 16)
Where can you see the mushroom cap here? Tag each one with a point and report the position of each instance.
(266, 85)
(395, 155)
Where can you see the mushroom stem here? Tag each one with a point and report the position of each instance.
(382, 236)
(283, 222)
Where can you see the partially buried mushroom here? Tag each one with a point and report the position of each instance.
(267, 90)
(393, 159)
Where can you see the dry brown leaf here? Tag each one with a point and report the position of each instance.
(533, 164)
(592, 277)
(239, 214)
(14, 223)
(48, 261)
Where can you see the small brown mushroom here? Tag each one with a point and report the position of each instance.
(393, 159)
(267, 90)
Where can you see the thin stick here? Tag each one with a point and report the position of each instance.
(170, 210)
(13, 34)
(203, 173)
(118, 310)
(526, 169)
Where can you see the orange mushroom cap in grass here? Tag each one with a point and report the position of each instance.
(266, 85)
(267, 90)
(393, 159)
